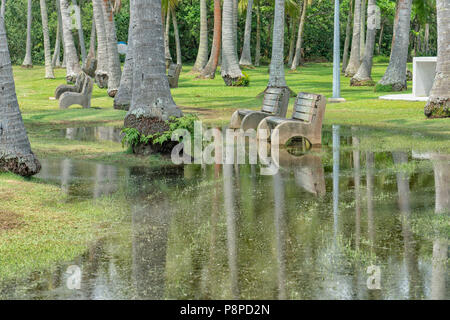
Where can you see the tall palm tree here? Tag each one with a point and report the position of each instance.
(101, 74)
(230, 69)
(202, 55)
(2, 8)
(438, 104)
(114, 67)
(91, 54)
(48, 57)
(27, 62)
(152, 102)
(70, 52)
(209, 72)
(258, 35)
(166, 36)
(246, 56)
(394, 78)
(362, 34)
(363, 76)
(56, 62)
(301, 27)
(277, 77)
(15, 150)
(176, 32)
(80, 34)
(348, 29)
(353, 63)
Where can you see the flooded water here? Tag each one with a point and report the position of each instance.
(92, 134)
(335, 224)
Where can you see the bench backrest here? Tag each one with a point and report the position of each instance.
(274, 101)
(309, 107)
(174, 70)
(88, 86)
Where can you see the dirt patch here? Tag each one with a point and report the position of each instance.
(5, 195)
(10, 220)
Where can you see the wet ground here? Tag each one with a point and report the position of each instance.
(335, 224)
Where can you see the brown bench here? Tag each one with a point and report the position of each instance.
(275, 103)
(306, 121)
(174, 74)
(82, 98)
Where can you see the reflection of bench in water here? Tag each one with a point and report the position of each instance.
(275, 103)
(308, 171)
(306, 120)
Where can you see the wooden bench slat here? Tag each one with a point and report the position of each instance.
(268, 109)
(306, 103)
(302, 116)
(270, 96)
(305, 109)
(273, 91)
(311, 96)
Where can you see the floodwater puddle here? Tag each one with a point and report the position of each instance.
(337, 224)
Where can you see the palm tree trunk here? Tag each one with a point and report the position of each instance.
(380, 39)
(353, 63)
(246, 57)
(56, 61)
(92, 42)
(230, 66)
(363, 76)
(2, 8)
(438, 104)
(362, 34)
(114, 67)
(291, 42)
(122, 100)
(298, 46)
(152, 102)
(177, 35)
(80, 35)
(202, 55)
(276, 77)
(70, 54)
(209, 72)
(258, 37)
(27, 62)
(15, 150)
(101, 74)
(166, 38)
(48, 57)
(348, 29)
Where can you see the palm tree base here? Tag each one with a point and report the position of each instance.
(437, 108)
(27, 66)
(25, 166)
(390, 87)
(292, 93)
(362, 82)
(101, 79)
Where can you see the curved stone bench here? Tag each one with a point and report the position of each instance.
(82, 98)
(78, 87)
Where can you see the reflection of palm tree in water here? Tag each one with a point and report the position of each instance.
(280, 228)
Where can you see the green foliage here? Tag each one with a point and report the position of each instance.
(243, 81)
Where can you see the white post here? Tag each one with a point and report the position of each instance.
(336, 58)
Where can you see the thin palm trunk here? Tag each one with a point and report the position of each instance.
(56, 61)
(2, 8)
(48, 57)
(277, 77)
(298, 46)
(202, 55)
(166, 39)
(362, 34)
(380, 39)
(230, 69)
(177, 36)
(258, 37)
(364, 75)
(152, 102)
(394, 78)
(348, 29)
(101, 74)
(114, 67)
(70, 53)
(209, 72)
(92, 42)
(15, 150)
(80, 34)
(438, 104)
(354, 62)
(291, 42)
(246, 57)
(27, 62)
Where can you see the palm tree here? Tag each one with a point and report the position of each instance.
(56, 62)
(166, 36)
(202, 55)
(277, 77)
(354, 62)
(152, 102)
(362, 35)
(15, 150)
(209, 72)
(363, 76)
(177, 35)
(246, 56)
(80, 34)
(101, 74)
(258, 35)
(70, 52)
(394, 78)
(348, 28)
(301, 27)
(91, 54)
(438, 104)
(114, 68)
(27, 62)
(48, 57)
(230, 70)
(2, 8)
(169, 7)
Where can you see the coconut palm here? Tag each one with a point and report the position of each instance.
(230, 69)
(101, 74)
(166, 38)
(209, 72)
(363, 76)
(394, 78)
(362, 34)
(48, 57)
(202, 55)
(169, 7)
(246, 56)
(348, 29)
(301, 27)
(2, 8)
(438, 104)
(56, 62)
(277, 77)
(91, 54)
(15, 150)
(258, 35)
(152, 102)
(353, 63)
(80, 34)
(70, 52)
(177, 35)
(27, 62)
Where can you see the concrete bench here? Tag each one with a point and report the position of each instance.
(174, 75)
(79, 82)
(306, 120)
(82, 98)
(275, 103)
